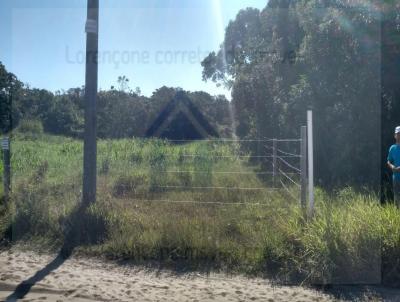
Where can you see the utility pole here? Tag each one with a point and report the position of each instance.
(90, 147)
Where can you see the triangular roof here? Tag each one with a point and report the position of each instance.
(181, 104)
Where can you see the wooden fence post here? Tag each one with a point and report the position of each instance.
(5, 144)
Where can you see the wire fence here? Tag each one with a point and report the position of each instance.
(270, 168)
(278, 172)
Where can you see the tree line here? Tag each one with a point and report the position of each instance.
(121, 112)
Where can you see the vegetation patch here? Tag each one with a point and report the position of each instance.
(349, 239)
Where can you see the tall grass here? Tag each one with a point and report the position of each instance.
(140, 213)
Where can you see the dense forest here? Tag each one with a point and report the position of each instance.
(339, 58)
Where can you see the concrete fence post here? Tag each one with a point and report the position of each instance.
(310, 160)
(303, 167)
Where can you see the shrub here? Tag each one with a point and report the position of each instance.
(32, 127)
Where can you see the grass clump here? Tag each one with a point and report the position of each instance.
(340, 244)
(131, 185)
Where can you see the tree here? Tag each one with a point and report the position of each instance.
(299, 55)
(10, 89)
(123, 83)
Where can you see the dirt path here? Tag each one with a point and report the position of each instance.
(79, 279)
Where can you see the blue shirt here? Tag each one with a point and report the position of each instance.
(394, 158)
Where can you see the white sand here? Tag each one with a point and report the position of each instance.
(81, 279)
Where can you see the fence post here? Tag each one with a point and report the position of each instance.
(310, 162)
(5, 144)
(303, 167)
(274, 166)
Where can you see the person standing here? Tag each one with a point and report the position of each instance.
(393, 161)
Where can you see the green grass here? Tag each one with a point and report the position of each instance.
(348, 240)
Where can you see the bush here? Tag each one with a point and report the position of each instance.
(32, 127)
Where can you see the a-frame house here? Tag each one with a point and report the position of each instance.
(181, 120)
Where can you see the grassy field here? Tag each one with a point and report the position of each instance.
(170, 204)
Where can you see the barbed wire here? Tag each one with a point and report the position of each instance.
(222, 156)
(216, 172)
(288, 154)
(207, 188)
(234, 140)
(288, 140)
(289, 165)
(287, 190)
(80, 169)
(199, 202)
(219, 140)
(222, 172)
(294, 182)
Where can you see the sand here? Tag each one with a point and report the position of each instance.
(87, 279)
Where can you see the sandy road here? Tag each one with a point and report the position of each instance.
(83, 279)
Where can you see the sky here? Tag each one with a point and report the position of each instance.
(152, 42)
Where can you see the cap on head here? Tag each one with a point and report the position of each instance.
(397, 130)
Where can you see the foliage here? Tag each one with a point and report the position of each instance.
(120, 113)
(10, 87)
(34, 127)
(319, 55)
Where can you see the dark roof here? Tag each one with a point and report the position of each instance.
(180, 99)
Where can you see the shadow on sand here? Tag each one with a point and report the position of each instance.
(75, 235)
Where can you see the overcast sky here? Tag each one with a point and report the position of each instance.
(153, 43)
